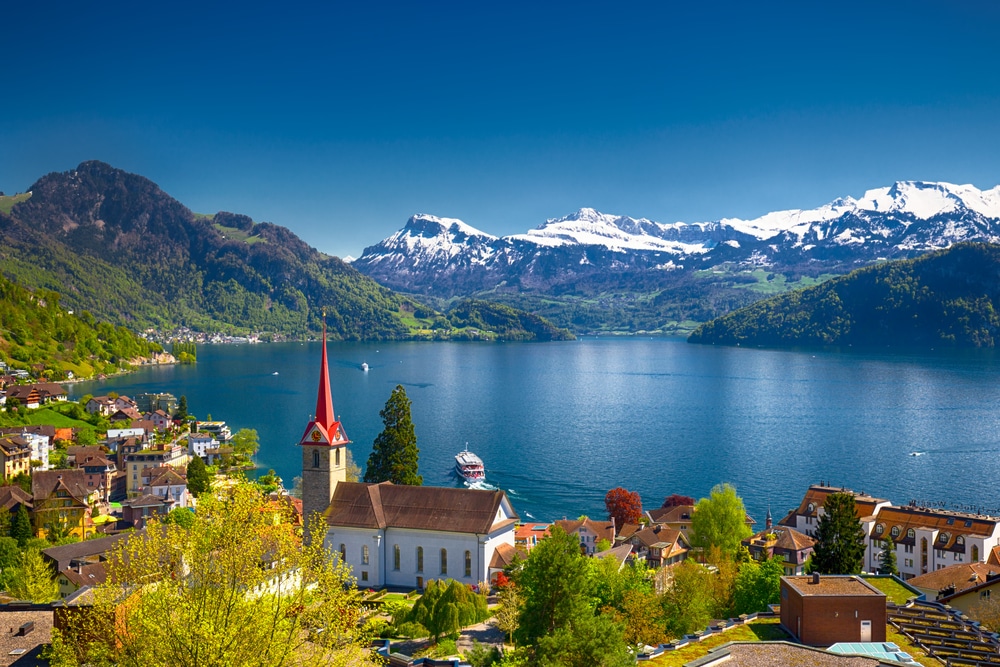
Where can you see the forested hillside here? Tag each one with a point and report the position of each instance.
(37, 334)
(948, 298)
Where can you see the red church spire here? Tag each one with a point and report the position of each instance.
(324, 400)
(324, 429)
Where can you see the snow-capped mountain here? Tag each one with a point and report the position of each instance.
(446, 256)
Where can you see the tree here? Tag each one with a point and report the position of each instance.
(245, 444)
(13, 403)
(23, 480)
(887, 561)
(198, 481)
(180, 516)
(269, 482)
(446, 607)
(182, 408)
(720, 520)
(677, 500)
(235, 588)
(558, 620)
(688, 603)
(758, 584)
(394, 453)
(508, 608)
(840, 539)
(32, 579)
(20, 527)
(623, 506)
(10, 552)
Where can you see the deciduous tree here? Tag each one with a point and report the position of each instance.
(758, 584)
(623, 506)
(234, 589)
(840, 539)
(32, 579)
(720, 520)
(676, 500)
(394, 456)
(245, 444)
(508, 609)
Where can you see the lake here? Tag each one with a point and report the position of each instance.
(559, 424)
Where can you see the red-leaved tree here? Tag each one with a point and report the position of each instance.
(624, 506)
(675, 500)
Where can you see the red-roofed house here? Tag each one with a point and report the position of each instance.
(590, 532)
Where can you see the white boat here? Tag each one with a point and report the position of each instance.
(274, 373)
(364, 366)
(469, 466)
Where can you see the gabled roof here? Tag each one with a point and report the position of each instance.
(785, 538)
(36, 429)
(91, 574)
(994, 557)
(619, 553)
(605, 530)
(674, 514)
(166, 476)
(14, 444)
(387, 505)
(146, 500)
(505, 555)
(959, 575)
(45, 483)
(670, 540)
(12, 496)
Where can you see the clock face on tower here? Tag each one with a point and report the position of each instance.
(315, 435)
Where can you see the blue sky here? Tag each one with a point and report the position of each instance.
(341, 120)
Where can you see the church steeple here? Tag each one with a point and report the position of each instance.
(324, 448)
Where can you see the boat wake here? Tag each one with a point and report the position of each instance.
(481, 486)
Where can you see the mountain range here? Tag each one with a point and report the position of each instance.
(115, 245)
(446, 257)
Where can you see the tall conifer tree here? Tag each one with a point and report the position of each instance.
(20, 528)
(394, 456)
(887, 562)
(840, 546)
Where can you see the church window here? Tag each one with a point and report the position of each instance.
(337, 455)
(444, 561)
(468, 563)
(343, 553)
(364, 575)
(420, 559)
(395, 556)
(975, 553)
(315, 458)
(364, 554)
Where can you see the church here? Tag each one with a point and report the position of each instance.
(394, 535)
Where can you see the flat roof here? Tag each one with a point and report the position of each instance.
(830, 584)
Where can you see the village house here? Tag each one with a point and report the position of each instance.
(136, 511)
(659, 546)
(589, 532)
(161, 420)
(15, 456)
(788, 544)
(928, 539)
(62, 500)
(99, 473)
(39, 437)
(948, 581)
(100, 405)
(527, 535)
(393, 535)
(218, 429)
(148, 402)
(200, 443)
(128, 414)
(805, 518)
(36, 395)
(137, 462)
(166, 483)
(125, 403)
(12, 498)
(678, 517)
(79, 575)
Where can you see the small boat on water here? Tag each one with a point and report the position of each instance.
(364, 366)
(274, 373)
(469, 466)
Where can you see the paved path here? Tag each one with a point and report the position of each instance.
(484, 633)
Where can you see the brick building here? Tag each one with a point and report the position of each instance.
(823, 610)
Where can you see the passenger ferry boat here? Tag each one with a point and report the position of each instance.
(469, 466)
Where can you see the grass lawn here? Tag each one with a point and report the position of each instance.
(892, 589)
(7, 201)
(892, 635)
(758, 631)
(49, 417)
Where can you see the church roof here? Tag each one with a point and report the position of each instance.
(388, 505)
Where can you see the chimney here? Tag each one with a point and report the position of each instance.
(815, 577)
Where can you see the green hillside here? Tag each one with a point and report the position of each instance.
(948, 298)
(37, 334)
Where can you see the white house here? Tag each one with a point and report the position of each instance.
(404, 536)
(199, 443)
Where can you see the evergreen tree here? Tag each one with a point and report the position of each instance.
(840, 546)
(887, 562)
(20, 527)
(558, 621)
(198, 481)
(394, 453)
(182, 408)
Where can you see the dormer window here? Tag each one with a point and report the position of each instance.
(895, 531)
(951, 521)
(911, 533)
(943, 538)
(960, 541)
(879, 528)
(810, 507)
